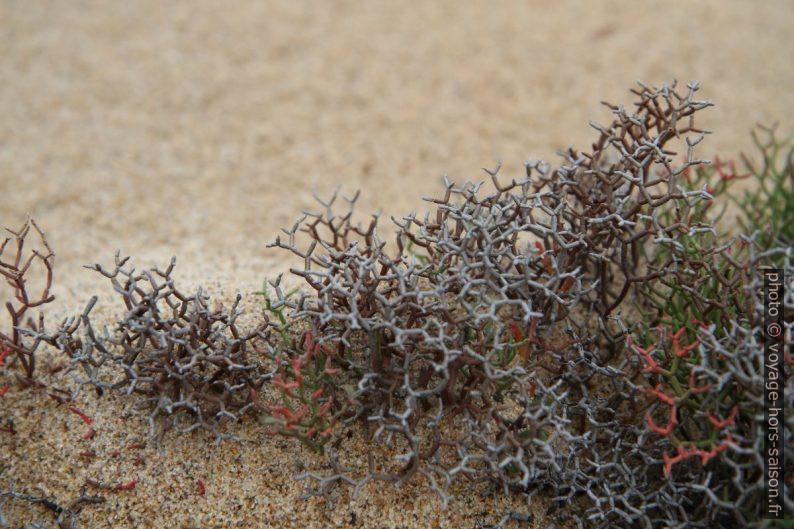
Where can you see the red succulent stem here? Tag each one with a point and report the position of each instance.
(86, 419)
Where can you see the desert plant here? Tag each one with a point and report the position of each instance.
(507, 337)
(310, 393)
(701, 365)
(427, 357)
(768, 206)
(181, 357)
(457, 347)
(589, 332)
(16, 262)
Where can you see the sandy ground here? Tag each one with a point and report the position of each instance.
(200, 128)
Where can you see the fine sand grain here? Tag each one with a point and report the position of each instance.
(198, 129)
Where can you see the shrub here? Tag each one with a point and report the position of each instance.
(15, 265)
(455, 346)
(697, 463)
(184, 359)
(506, 337)
(438, 379)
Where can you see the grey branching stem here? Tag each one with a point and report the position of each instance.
(66, 517)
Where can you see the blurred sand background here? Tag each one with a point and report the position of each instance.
(198, 129)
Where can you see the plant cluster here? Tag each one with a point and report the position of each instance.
(183, 359)
(589, 332)
(690, 454)
(504, 337)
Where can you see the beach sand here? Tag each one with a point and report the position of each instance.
(198, 129)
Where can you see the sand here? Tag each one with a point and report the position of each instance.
(198, 129)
